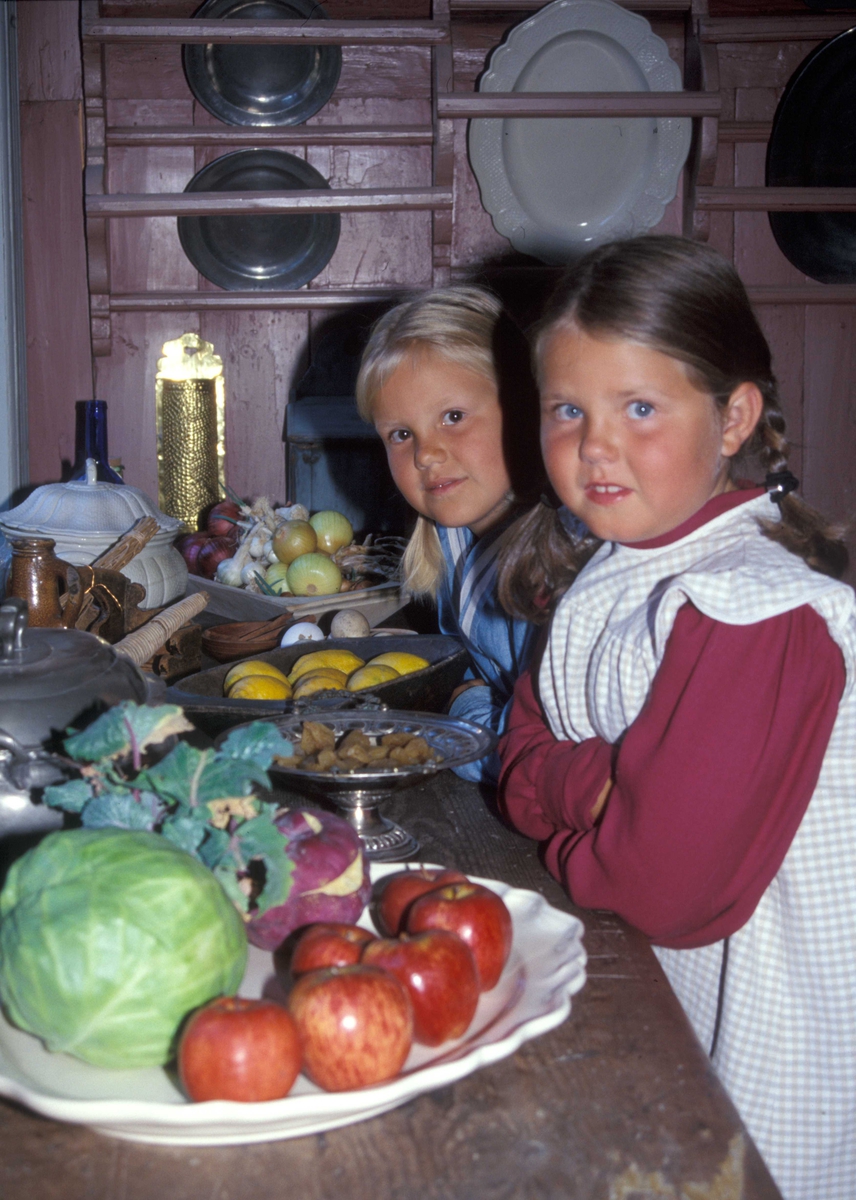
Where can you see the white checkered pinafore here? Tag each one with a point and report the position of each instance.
(786, 1047)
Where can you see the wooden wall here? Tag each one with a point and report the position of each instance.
(264, 352)
(59, 358)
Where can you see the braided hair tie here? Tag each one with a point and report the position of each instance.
(779, 483)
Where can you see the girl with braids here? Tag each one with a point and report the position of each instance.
(685, 747)
(446, 381)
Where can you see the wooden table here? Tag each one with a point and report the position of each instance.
(618, 1103)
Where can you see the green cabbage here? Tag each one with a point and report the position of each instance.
(108, 939)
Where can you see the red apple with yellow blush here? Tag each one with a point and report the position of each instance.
(477, 915)
(439, 972)
(329, 944)
(355, 1025)
(237, 1049)
(397, 892)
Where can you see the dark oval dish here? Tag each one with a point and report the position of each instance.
(259, 252)
(257, 84)
(813, 144)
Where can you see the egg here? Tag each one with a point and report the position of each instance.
(303, 631)
(349, 623)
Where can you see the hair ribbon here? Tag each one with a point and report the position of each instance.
(779, 483)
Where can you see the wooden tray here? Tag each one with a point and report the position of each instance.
(376, 603)
(428, 690)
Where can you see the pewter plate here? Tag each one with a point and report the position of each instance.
(558, 187)
(259, 252)
(545, 969)
(813, 144)
(262, 85)
(454, 741)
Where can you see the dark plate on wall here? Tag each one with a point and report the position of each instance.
(813, 144)
(259, 252)
(262, 85)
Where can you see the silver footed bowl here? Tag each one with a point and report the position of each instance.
(358, 795)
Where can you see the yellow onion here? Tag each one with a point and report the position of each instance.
(313, 575)
(332, 529)
(292, 539)
(276, 577)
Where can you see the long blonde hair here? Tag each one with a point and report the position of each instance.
(468, 326)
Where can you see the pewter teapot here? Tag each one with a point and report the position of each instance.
(49, 678)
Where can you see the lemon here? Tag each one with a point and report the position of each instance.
(318, 681)
(260, 687)
(250, 666)
(400, 661)
(341, 660)
(370, 676)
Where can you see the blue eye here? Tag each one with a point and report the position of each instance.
(567, 412)
(398, 436)
(640, 409)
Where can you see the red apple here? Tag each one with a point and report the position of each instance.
(397, 892)
(439, 972)
(355, 1024)
(477, 915)
(236, 1049)
(330, 944)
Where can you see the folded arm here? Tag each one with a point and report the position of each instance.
(708, 785)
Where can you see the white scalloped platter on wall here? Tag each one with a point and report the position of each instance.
(545, 969)
(556, 187)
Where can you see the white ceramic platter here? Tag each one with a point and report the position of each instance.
(546, 967)
(556, 187)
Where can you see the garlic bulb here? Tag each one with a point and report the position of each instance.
(252, 571)
(229, 572)
(293, 512)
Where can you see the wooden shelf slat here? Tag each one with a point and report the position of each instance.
(501, 6)
(745, 131)
(319, 33)
(210, 204)
(248, 301)
(796, 28)
(778, 199)
(227, 135)
(803, 293)
(580, 104)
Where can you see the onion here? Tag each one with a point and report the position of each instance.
(292, 539)
(212, 554)
(275, 577)
(332, 529)
(314, 575)
(221, 520)
(188, 546)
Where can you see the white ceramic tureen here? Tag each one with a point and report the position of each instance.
(85, 518)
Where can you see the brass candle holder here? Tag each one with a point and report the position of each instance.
(191, 428)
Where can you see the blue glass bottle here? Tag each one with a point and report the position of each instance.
(90, 441)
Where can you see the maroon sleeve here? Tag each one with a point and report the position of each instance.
(710, 782)
(541, 776)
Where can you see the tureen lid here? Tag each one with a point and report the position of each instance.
(86, 506)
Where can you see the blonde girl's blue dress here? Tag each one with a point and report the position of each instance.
(499, 645)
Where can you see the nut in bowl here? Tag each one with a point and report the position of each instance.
(425, 743)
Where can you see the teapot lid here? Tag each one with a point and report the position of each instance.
(86, 506)
(46, 662)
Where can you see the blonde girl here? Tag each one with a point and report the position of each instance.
(686, 745)
(445, 379)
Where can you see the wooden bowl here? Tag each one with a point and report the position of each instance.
(243, 639)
